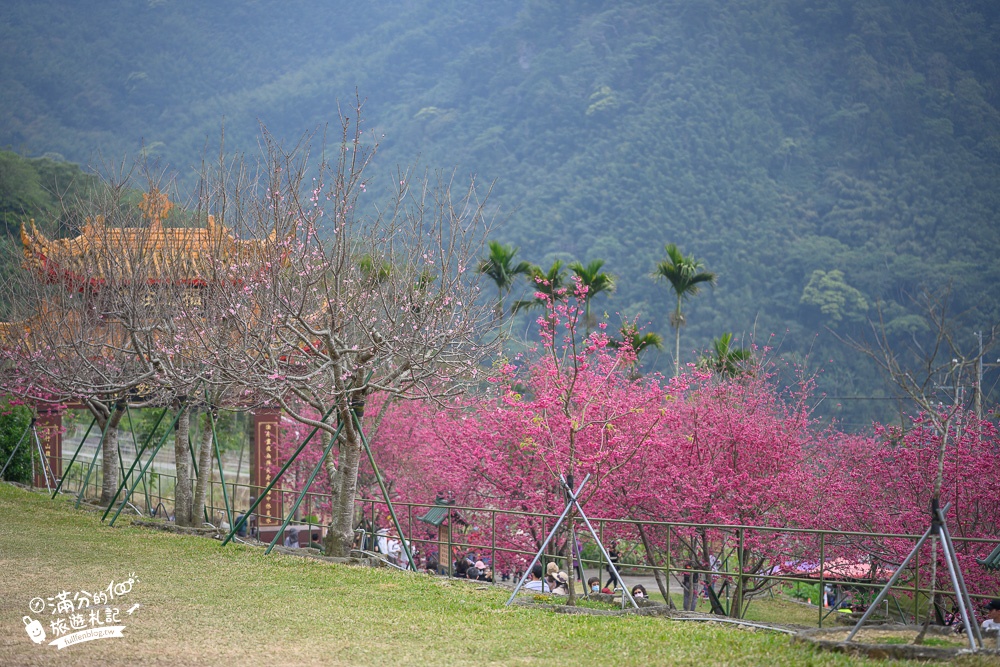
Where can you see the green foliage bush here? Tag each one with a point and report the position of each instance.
(14, 419)
(805, 592)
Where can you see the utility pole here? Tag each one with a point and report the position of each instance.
(979, 378)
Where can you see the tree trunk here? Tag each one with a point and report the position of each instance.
(109, 459)
(182, 460)
(736, 606)
(661, 579)
(340, 539)
(205, 470)
(332, 464)
(677, 321)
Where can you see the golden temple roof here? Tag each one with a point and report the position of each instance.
(153, 253)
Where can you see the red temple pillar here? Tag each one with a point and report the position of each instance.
(264, 458)
(49, 428)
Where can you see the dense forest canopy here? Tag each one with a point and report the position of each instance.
(820, 156)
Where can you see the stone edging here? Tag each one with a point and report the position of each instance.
(815, 637)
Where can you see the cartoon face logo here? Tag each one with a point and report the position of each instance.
(35, 630)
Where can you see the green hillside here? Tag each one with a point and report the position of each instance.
(818, 155)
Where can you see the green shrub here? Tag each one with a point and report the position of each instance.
(14, 419)
(803, 591)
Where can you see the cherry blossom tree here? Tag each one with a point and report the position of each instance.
(728, 452)
(885, 484)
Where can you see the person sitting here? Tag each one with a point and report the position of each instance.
(560, 583)
(472, 574)
(291, 539)
(534, 580)
(639, 592)
(594, 585)
(250, 523)
(992, 621)
(551, 569)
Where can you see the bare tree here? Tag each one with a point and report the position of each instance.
(62, 347)
(931, 361)
(352, 298)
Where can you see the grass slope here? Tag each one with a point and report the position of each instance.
(202, 604)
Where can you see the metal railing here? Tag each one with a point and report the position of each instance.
(743, 568)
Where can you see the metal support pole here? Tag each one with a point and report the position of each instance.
(305, 490)
(149, 438)
(600, 563)
(17, 446)
(90, 469)
(574, 502)
(600, 545)
(949, 558)
(961, 583)
(261, 496)
(545, 543)
(222, 475)
(142, 472)
(121, 464)
(135, 450)
(78, 448)
(385, 491)
(46, 470)
(888, 586)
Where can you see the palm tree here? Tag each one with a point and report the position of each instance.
(726, 360)
(638, 341)
(551, 283)
(595, 280)
(500, 266)
(685, 280)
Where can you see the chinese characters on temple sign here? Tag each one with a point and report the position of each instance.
(71, 617)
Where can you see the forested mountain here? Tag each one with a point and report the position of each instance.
(818, 155)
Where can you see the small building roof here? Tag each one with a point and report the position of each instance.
(438, 514)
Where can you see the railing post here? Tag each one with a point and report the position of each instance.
(822, 587)
(543, 529)
(739, 581)
(493, 544)
(668, 600)
(451, 564)
(409, 531)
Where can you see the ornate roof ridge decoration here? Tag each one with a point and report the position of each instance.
(153, 253)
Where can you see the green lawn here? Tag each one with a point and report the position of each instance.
(203, 604)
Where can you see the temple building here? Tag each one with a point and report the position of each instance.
(143, 260)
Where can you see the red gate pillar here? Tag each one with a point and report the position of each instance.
(49, 428)
(264, 454)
